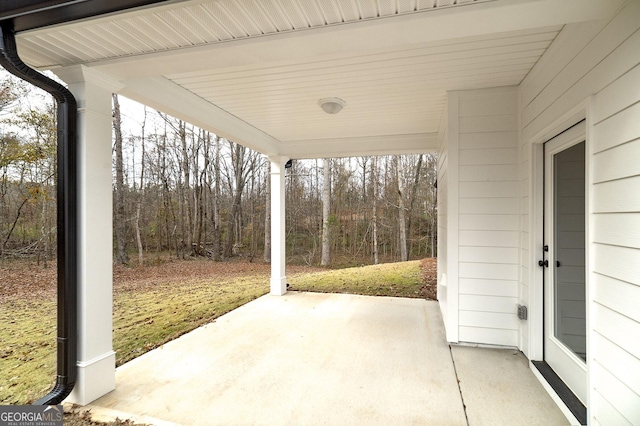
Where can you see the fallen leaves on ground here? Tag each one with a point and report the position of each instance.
(429, 270)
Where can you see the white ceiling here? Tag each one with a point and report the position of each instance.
(390, 93)
(253, 70)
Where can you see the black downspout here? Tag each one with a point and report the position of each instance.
(67, 223)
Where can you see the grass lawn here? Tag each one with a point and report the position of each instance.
(403, 279)
(155, 304)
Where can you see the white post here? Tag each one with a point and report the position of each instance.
(278, 256)
(96, 358)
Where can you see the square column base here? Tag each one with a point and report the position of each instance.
(95, 379)
(278, 286)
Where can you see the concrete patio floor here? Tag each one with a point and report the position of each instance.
(328, 359)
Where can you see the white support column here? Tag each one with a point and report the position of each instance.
(96, 358)
(278, 252)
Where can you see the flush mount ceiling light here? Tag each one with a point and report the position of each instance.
(332, 105)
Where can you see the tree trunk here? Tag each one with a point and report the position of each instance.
(187, 229)
(326, 211)
(141, 195)
(267, 216)
(412, 198)
(374, 202)
(217, 234)
(402, 224)
(122, 257)
(237, 159)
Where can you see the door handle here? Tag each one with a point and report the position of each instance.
(543, 263)
(557, 263)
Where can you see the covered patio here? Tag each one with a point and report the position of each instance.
(311, 358)
(503, 90)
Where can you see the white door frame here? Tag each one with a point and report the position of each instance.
(534, 143)
(566, 362)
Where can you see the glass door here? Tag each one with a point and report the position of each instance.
(565, 267)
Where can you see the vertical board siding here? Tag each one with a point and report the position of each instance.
(599, 61)
(488, 216)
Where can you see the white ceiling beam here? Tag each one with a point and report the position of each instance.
(417, 143)
(382, 34)
(168, 97)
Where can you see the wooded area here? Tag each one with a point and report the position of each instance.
(183, 192)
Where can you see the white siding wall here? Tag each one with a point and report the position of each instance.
(442, 220)
(483, 216)
(596, 66)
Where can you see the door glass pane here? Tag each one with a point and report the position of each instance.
(569, 249)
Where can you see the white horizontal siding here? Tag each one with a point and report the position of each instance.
(622, 263)
(617, 129)
(618, 295)
(621, 93)
(489, 190)
(489, 287)
(488, 205)
(489, 238)
(605, 413)
(492, 156)
(482, 303)
(620, 363)
(494, 222)
(489, 173)
(612, 164)
(443, 197)
(489, 123)
(497, 271)
(489, 254)
(622, 398)
(487, 140)
(611, 53)
(601, 58)
(617, 196)
(488, 219)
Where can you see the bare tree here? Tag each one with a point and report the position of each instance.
(216, 245)
(141, 189)
(267, 215)
(374, 203)
(122, 257)
(414, 191)
(242, 164)
(326, 211)
(402, 224)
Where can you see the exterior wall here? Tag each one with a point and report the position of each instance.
(442, 200)
(593, 70)
(482, 216)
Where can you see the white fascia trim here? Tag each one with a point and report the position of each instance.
(168, 97)
(379, 34)
(416, 143)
